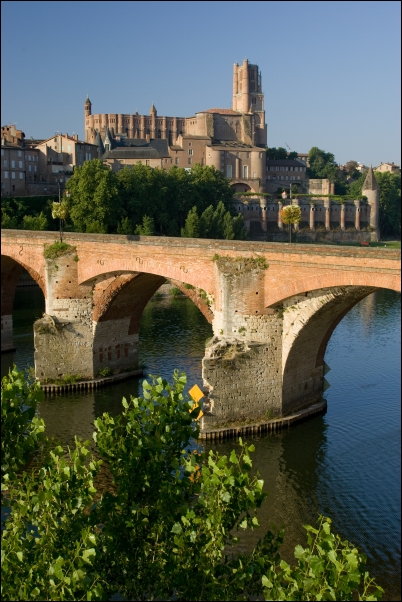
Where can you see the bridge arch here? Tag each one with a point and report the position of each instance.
(119, 300)
(309, 320)
(11, 270)
(289, 286)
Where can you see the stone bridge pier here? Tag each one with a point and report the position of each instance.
(90, 326)
(267, 362)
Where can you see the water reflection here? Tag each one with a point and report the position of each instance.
(345, 464)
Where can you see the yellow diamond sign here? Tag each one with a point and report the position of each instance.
(196, 393)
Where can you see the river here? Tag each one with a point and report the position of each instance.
(345, 464)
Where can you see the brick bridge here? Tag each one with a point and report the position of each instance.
(273, 308)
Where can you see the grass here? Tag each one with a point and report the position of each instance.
(57, 249)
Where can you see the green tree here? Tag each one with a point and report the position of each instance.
(35, 222)
(390, 200)
(147, 227)
(125, 226)
(291, 215)
(351, 169)
(94, 198)
(277, 153)
(323, 165)
(390, 203)
(192, 225)
(170, 532)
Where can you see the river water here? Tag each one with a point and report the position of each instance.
(345, 464)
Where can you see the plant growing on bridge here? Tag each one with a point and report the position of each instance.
(165, 533)
(57, 249)
(291, 214)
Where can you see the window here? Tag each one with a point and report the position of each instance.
(190, 143)
(29, 167)
(6, 174)
(12, 163)
(190, 151)
(20, 153)
(29, 157)
(245, 172)
(69, 148)
(21, 175)
(5, 162)
(13, 175)
(20, 164)
(35, 168)
(247, 155)
(177, 160)
(228, 171)
(189, 160)
(2, 152)
(254, 175)
(260, 155)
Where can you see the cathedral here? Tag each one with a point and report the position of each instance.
(232, 140)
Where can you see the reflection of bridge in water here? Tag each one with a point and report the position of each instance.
(273, 308)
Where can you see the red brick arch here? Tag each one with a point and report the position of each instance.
(293, 285)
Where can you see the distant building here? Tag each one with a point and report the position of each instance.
(304, 157)
(285, 172)
(390, 167)
(37, 167)
(12, 169)
(11, 135)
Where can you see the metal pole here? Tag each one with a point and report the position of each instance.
(290, 224)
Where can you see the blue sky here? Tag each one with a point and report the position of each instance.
(330, 70)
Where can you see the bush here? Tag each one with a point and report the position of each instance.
(106, 372)
(174, 291)
(57, 249)
(167, 526)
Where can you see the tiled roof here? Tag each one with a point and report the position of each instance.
(285, 162)
(222, 111)
(135, 148)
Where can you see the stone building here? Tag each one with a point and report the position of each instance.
(38, 167)
(323, 219)
(232, 140)
(12, 169)
(286, 172)
(390, 167)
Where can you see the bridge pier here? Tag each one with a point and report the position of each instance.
(63, 338)
(243, 363)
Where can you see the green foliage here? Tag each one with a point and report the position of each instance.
(147, 227)
(37, 222)
(390, 202)
(94, 198)
(277, 153)
(166, 527)
(323, 165)
(214, 223)
(57, 249)
(291, 214)
(174, 291)
(106, 372)
(327, 569)
(192, 226)
(15, 209)
(225, 262)
(21, 430)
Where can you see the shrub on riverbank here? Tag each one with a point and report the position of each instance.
(167, 526)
